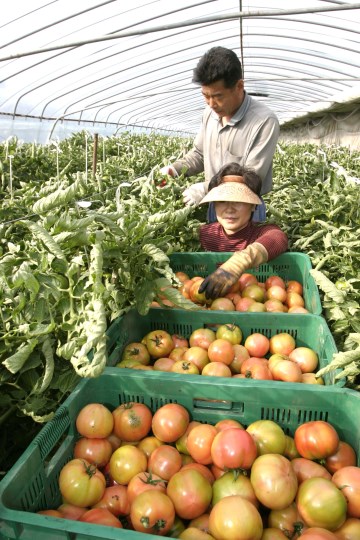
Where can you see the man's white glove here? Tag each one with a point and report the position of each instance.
(169, 169)
(195, 193)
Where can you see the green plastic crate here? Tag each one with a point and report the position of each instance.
(308, 330)
(288, 266)
(32, 483)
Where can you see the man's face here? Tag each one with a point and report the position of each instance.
(233, 216)
(224, 101)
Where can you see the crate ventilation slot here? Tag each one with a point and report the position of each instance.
(281, 416)
(309, 416)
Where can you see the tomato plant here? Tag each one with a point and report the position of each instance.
(81, 483)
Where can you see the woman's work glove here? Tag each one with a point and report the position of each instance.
(195, 193)
(169, 169)
(219, 282)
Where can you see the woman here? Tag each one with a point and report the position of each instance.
(235, 191)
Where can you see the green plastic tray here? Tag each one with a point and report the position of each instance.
(32, 483)
(307, 330)
(288, 266)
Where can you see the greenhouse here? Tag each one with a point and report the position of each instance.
(180, 270)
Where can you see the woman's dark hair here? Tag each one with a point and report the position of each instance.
(218, 64)
(251, 179)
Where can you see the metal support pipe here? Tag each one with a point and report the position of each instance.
(191, 22)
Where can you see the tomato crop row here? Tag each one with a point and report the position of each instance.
(165, 474)
(219, 353)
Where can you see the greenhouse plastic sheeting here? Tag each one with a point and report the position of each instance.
(114, 65)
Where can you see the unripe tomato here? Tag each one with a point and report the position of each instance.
(190, 492)
(81, 483)
(235, 518)
(95, 421)
(126, 462)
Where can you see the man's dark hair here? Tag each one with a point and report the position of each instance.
(218, 64)
(250, 178)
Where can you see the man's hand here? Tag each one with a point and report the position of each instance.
(217, 284)
(169, 170)
(194, 194)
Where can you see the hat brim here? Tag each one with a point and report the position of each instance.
(231, 192)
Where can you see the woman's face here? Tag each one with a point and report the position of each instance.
(233, 216)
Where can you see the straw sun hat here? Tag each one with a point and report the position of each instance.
(232, 192)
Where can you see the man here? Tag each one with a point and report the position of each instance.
(235, 128)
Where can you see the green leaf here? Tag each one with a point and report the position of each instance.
(15, 362)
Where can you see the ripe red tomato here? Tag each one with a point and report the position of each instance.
(152, 512)
(235, 518)
(350, 530)
(233, 448)
(316, 439)
(221, 350)
(345, 456)
(282, 343)
(132, 421)
(70, 511)
(306, 358)
(294, 286)
(144, 481)
(274, 280)
(243, 304)
(94, 421)
(274, 481)
(216, 369)
(275, 292)
(348, 480)
(247, 279)
(95, 451)
(116, 500)
(203, 469)
(125, 462)
(179, 341)
(240, 354)
(199, 443)
(190, 492)
(170, 422)
(81, 483)
(165, 461)
(226, 423)
(202, 337)
(268, 436)
(101, 516)
(159, 343)
(286, 370)
(257, 344)
(136, 351)
(318, 533)
(306, 468)
(233, 484)
(314, 499)
(230, 332)
(222, 304)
